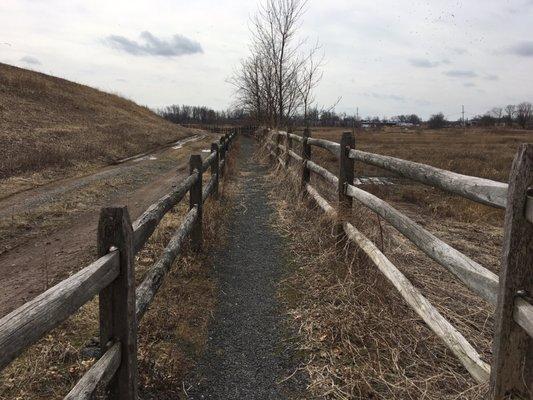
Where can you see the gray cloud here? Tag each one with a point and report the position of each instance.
(491, 77)
(150, 45)
(30, 60)
(522, 49)
(425, 63)
(469, 84)
(382, 96)
(460, 50)
(461, 73)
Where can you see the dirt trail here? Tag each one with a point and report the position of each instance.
(22, 201)
(248, 356)
(47, 252)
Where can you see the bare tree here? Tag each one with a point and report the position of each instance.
(524, 114)
(510, 111)
(497, 112)
(276, 81)
(310, 78)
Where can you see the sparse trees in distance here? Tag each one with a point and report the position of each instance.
(497, 113)
(524, 114)
(409, 119)
(201, 115)
(521, 114)
(510, 111)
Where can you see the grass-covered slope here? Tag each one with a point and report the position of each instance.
(48, 124)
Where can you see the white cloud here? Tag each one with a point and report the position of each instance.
(456, 73)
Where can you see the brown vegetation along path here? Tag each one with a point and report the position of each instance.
(49, 232)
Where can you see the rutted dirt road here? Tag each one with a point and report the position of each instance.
(49, 232)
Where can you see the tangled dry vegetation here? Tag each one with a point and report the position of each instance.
(49, 125)
(359, 337)
(171, 335)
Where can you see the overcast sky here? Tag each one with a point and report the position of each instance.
(386, 57)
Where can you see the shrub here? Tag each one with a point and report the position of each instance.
(437, 121)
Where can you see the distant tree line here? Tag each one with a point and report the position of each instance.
(185, 114)
(316, 117)
(519, 114)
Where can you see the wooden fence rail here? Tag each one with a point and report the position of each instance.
(511, 292)
(111, 277)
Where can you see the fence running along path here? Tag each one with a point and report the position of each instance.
(111, 277)
(512, 292)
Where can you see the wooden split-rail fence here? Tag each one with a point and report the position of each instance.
(111, 277)
(511, 371)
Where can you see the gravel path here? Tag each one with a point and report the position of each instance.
(247, 355)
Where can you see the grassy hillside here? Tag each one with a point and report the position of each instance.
(53, 126)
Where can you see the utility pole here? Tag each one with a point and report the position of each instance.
(464, 124)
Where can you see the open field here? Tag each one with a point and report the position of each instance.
(361, 339)
(485, 153)
(51, 128)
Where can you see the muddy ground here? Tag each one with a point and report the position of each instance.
(49, 232)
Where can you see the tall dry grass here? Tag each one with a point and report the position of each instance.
(357, 336)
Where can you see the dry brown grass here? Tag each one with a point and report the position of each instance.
(478, 152)
(359, 337)
(172, 333)
(49, 126)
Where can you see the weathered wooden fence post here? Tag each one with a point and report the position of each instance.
(512, 365)
(288, 147)
(117, 301)
(195, 200)
(306, 155)
(215, 168)
(346, 175)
